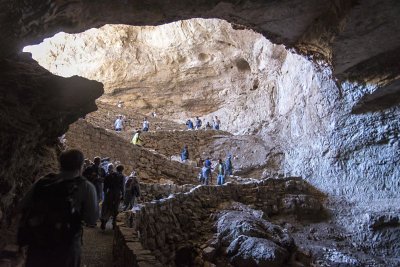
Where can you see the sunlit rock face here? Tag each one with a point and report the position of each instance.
(206, 68)
(179, 69)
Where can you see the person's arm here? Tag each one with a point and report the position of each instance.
(106, 184)
(121, 184)
(138, 188)
(90, 209)
(26, 200)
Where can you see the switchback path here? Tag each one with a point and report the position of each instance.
(97, 247)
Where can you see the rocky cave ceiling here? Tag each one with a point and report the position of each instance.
(191, 67)
(359, 38)
(317, 135)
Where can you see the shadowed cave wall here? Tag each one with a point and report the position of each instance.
(358, 151)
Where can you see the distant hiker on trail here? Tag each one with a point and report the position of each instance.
(198, 123)
(208, 126)
(216, 123)
(185, 154)
(154, 114)
(119, 104)
(52, 214)
(221, 172)
(207, 162)
(228, 165)
(146, 125)
(95, 174)
(136, 140)
(132, 191)
(113, 191)
(206, 177)
(118, 124)
(189, 124)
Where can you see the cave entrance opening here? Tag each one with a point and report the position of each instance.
(260, 91)
(196, 67)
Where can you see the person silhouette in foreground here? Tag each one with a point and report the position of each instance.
(113, 192)
(52, 214)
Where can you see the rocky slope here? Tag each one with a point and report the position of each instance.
(207, 68)
(351, 155)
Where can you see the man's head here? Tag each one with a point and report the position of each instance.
(145, 119)
(97, 161)
(71, 160)
(220, 161)
(120, 168)
(110, 167)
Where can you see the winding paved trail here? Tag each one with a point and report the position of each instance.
(97, 247)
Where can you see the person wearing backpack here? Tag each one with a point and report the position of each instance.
(135, 189)
(146, 125)
(185, 153)
(221, 172)
(132, 191)
(228, 165)
(95, 174)
(189, 124)
(206, 174)
(52, 214)
(113, 191)
(198, 123)
(136, 140)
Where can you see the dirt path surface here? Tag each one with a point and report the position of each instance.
(97, 247)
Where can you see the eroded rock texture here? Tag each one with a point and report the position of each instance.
(205, 67)
(36, 108)
(308, 115)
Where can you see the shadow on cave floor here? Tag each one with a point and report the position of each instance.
(97, 247)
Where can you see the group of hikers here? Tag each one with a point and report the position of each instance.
(199, 124)
(119, 124)
(222, 168)
(205, 176)
(56, 205)
(111, 185)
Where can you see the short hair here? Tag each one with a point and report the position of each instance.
(97, 159)
(120, 168)
(71, 160)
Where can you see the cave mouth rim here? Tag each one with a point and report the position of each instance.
(68, 71)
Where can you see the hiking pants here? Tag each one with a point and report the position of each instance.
(220, 179)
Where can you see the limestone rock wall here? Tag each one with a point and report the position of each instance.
(150, 192)
(171, 143)
(303, 115)
(151, 167)
(168, 224)
(33, 115)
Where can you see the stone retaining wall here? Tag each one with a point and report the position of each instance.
(128, 251)
(168, 224)
(151, 192)
(94, 141)
(171, 143)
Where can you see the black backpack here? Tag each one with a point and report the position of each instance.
(52, 218)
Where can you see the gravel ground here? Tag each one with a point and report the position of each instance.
(97, 247)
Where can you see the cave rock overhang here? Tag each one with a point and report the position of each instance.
(381, 70)
(185, 63)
